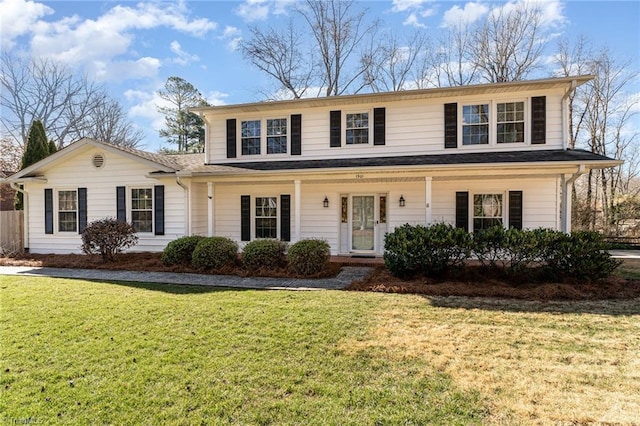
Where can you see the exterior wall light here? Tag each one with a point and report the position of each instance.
(401, 201)
(325, 203)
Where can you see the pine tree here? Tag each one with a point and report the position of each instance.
(36, 149)
(52, 147)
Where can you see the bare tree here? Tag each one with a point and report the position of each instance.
(508, 44)
(10, 155)
(281, 55)
(454, 64)
(389, 66)
(41, 89)
(109, 123)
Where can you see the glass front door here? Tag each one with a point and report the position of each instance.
(363, 223)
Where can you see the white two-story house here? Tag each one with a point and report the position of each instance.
(347, 169)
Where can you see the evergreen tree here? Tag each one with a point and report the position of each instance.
(52, 147)
(36, 149)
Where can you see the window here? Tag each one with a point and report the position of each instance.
(250, 137)
(277, 136)
(510, 122)
(67, 211)
(142, 209)
(475, 124)
(487, 211)
(266, 217)
(357, 128)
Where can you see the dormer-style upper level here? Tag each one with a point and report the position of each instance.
(513, 116)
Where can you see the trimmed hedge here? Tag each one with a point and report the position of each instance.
(180, 251)
(268, 254)
(438, 249)
(308, 257)
(215, 253)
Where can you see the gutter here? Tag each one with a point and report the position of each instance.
(565, 113)
(25, 216)
(566, 199)
(187, 213)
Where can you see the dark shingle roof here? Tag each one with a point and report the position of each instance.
(542, 156)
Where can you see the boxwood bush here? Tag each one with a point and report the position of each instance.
(180, 251)
(308, 257)
(431, 251)
(215, 253)
(268, 254)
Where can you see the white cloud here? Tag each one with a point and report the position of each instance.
(146, 67)
(415, 9)
(145, 106)
(469, 14)
(408, 5)
(183, 58)
(233, 37)
(18, 18)
(253, 10)
(412, 20)
(216, 98)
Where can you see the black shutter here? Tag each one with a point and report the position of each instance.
(451, 125)
(296, 134)
(48, 211)
(121, 203)
(231, 138)
(462, 210)
(285, 217)
(82, 209)
(335, 132)
(158, 207)
(379, 126)
(515, 209)
(538, 120)
(245, 218)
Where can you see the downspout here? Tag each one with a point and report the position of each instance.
(25, 217)
(563, 108)
(187, 221)
(566, 198)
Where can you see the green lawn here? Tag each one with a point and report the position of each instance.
(85, 352)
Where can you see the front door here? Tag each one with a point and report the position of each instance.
(363, 223)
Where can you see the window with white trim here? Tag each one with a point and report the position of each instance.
(487, 211)
(250, 137)
(357, 128)
(277, 136)
(475, 124)
(142, 209)
(510, 122)
(266, 217)
(67, 211)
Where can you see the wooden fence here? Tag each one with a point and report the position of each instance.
(11, 232)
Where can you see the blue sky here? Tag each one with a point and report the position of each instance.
(133, 47)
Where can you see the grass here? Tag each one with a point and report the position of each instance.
(91, 352)
(629, 269)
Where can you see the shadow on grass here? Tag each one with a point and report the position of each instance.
(614, 307)
(169, 288)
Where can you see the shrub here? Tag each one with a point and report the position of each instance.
(489, 246)
(522, 248)
(264, 254)
(581, 255)
(215, 253)
(107, 237)
(179, 252)
(430, 251)
(308, 257)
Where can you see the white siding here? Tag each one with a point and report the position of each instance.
(199, 213)
(412, 128)
(101, 184)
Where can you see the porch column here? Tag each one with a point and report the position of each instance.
(296, 209)
(210, 215)
(427, 198)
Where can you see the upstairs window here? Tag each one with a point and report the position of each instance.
(266, 217)
(475, 124)
(142, 209)
(510, 122)
(67, 211)
(250, 137)
(357, 126)
(277, 136)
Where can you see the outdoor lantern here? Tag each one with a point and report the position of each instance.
(325, 203)
(401, 201)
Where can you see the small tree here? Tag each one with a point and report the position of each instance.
(36, 149)
(107, 237)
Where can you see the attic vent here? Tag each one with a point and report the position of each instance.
(98, 160)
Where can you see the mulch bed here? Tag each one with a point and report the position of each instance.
(471, 284)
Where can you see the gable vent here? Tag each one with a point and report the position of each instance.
(98, 160)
